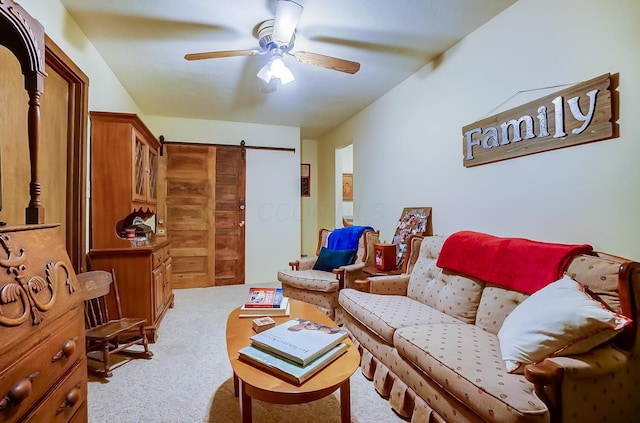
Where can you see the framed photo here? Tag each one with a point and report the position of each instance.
(347, 187)
(305, 180)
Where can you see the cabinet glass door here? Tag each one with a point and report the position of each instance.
(139, 170)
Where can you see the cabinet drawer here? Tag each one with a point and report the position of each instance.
(45, 364)
(157, 257)
(67, 399)
(167, 252)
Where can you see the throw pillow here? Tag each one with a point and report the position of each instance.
(560, 319)
(332, 259)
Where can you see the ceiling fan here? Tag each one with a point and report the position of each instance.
(276, 38)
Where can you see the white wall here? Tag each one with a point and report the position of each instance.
(309, 216)
(106, 93)
(273, 186)
(272, 237)
(408, 144)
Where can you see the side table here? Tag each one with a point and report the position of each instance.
(374, 271)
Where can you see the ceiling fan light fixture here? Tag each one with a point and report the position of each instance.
(285, 21)
(276, 69)
(281, 71)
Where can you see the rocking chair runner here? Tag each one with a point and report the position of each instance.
(105, 336)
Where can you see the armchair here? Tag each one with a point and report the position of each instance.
(321, 287)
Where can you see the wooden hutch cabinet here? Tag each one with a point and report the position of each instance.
(124, 174)
(124, 180)
(43, 363)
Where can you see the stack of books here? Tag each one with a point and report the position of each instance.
(295, 350)
(265, 302)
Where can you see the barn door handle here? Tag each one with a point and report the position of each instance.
(241, 204)
(241, 224)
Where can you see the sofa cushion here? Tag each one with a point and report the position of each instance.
(383, 314)
(424, 268)
(314, 280)
(453, 294)
(600, 274)
(495, 305)
(333, 259)
(560, 319)
(465, 360)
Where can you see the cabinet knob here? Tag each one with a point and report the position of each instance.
(71, 399)
(67, 350)
(19, 391)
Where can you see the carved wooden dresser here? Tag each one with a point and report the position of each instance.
(43, 370)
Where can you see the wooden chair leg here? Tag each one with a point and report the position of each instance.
(105, 360)
(145, 343)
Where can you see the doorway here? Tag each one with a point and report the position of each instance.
(344, 186)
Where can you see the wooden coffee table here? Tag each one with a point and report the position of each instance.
(250, 382)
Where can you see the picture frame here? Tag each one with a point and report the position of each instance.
(305, 179)
(347, 187)
(413, 221)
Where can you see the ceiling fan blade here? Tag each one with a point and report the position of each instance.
(217, 54)
(328, 62)
(285, 21)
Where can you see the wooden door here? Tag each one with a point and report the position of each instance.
(190, 221)
(205, 214)
(229, 216)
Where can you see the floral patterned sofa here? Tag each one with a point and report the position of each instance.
(433, 340)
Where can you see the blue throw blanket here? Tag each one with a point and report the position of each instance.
(346, 238)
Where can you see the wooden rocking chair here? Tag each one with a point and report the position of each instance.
(106, 336)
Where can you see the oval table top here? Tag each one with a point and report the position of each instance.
(270, 388)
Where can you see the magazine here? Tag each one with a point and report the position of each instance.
(264, 298)
(299, 340)
(284, 310)
(284, 368)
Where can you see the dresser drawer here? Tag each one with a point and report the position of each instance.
(67, 399)
(157, 257)
(44, 364)
(167, 252)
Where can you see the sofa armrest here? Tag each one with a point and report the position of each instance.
(552, 375)
(389, 285)
(303, 263)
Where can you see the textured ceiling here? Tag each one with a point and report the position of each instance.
(144, 43)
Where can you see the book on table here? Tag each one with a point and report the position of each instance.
(284, 310)
(264, 298)
(287, 370)
(299, 340)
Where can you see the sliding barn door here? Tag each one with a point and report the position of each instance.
(204, 215)
(229, 216)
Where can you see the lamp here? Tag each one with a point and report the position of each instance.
(276, 69)
(286, 18)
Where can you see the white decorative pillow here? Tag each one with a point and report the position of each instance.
(559, 319)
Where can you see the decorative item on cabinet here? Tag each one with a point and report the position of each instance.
(43, 369)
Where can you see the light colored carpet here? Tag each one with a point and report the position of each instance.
(188, 380)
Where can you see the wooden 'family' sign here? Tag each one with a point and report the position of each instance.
(576, 115)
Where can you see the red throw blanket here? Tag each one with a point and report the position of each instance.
(515, 263)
